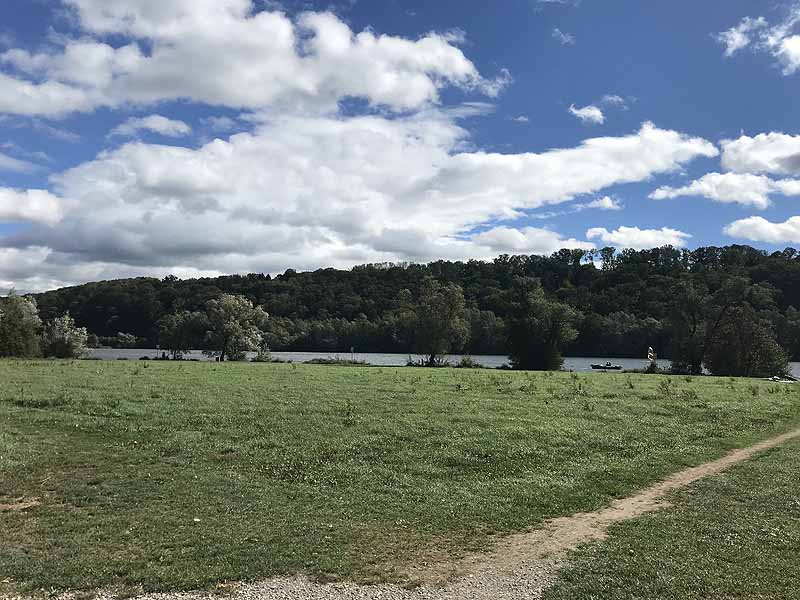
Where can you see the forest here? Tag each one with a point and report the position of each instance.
(625, 301)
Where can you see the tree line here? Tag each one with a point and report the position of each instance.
(734, 308)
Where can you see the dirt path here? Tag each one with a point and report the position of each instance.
(521, 566)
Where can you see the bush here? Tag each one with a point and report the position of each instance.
(467, 362)
(336, 360)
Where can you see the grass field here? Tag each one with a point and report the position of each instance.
(733, 536)
(174, 476)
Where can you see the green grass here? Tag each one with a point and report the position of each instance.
(331, 471)
(731, 536)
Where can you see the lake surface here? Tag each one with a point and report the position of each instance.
(392, 360)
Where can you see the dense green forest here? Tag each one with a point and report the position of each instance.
(626, 300)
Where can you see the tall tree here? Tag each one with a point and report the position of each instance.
(180, 332)
(538, 327)
(688, 322)
(745, 346)
(61, 338)
(19, 326)
(441, 320)
(235, 326)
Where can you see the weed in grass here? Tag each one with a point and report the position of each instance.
(60, 398)
(350, 415)
(629, 383)
(753, 389)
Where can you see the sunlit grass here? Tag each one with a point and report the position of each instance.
(180, 475)
(732, 536)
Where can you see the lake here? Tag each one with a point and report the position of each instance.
(391, 360)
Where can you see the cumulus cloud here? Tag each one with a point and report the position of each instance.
(781, 41)
(304, 192)
(528, 240)
(758, 229)
(638, 239)
(739, 188)
(588, 114)
(776, 153)
(250, 59)
(154, 123)
(34, 206)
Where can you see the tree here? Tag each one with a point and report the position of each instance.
(745, 346)
(179, 332)
(687, 320)
(441, 321)
(61, 338)
(538, 328)
(19, 326)
(235, 326)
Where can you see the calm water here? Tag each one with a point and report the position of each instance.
(394, 360)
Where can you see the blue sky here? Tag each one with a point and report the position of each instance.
(199, 137)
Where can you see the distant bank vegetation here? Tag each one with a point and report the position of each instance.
(733, 310)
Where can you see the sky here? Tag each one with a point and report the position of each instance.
(206, 137)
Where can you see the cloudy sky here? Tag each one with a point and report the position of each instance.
(198, 137)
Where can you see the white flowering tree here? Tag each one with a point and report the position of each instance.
(235, 326)
(61, 338)
(19, 326)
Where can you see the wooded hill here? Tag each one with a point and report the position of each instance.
(628, 300)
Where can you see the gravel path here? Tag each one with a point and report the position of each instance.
(521, 566)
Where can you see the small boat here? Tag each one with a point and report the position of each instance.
(607, 367)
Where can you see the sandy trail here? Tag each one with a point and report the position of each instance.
(520, 566)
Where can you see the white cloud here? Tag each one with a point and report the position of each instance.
(565, 39)
(638, 239)
(604, 203)
(614, 100)
(305, 192)
(249, 59)
(521, 119)
(780, 41)
(739, 188)
(776, 153)
(49, 99)
(34, 206)
(155, 123)
(220, 123)
(739, 37)
(528, 240)
(588, 114)
(9, 163)
(758, 229)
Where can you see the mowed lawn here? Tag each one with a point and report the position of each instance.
(731, 536)
(182, 475)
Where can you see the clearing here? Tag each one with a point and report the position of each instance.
(166, 476)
